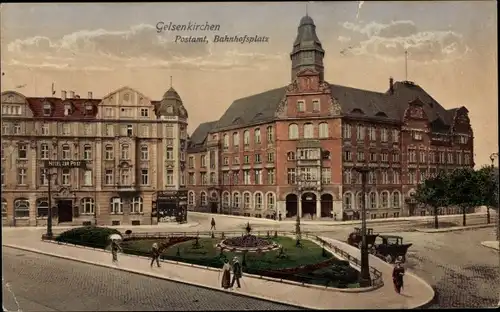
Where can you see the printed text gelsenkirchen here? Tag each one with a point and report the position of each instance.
(190, 26)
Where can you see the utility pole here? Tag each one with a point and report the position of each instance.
(364, 278)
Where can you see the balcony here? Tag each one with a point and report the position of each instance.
(127, 188)
(312, 185)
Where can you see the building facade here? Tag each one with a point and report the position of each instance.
(294, 149)
(133, 148)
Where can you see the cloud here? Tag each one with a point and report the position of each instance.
(389, 41)
(139, 46)
(343, 39)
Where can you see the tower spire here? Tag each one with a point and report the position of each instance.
(170, 81)
(406, 65)
(307, 13)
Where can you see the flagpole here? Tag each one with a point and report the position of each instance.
(406, 65)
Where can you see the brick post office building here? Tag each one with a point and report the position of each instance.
(293, 149)
(134, 148)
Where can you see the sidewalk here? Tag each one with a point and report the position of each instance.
(158, 227)
(415, 294)
(491, 244)
(456, 228)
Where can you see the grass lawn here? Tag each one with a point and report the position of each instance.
(338, 275)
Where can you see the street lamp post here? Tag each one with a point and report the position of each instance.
(492, 158)
(49, 217)
(299, 211)
(365, 279)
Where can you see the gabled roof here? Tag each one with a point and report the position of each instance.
(200, 133)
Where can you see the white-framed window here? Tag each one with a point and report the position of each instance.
(125, 149)
(396, 177)
(137, 205)
(236, 139)
(236, 200)
(87, 206)
(204, 198)
(170, 177)
(87, 129)
(384, 199)
(372, 177)
(258, 201)
(144, 152)
(191, 198)
(417, 135)
(270, 201)
(45, 129)
(87, 178)
(246, 177)
(203, 161)
(450, 158)
(323, 130)
(246, 137)
(225, 199)
(21, 208)
(291, 176)
(308, 131)
(270, 134)
(385, 177)
(67, 109)
(247, 202)
(169, 154)
(270, 157)
(145, 131)
(256, 134)
(44, 151)
(144, 112)
(130, 130)
(258, 176)
(3, 176)
(125, 176)
(22, 175)
(412, 155)
(87, 152)
(326, 176)
(22, 151)
(396, 199)
(66, 152)
(395, 135)
(65, 176)
(44, 177)
(212, 178)
(316, 106)
(412, 177)
(360, 132)
(384, 135)
(225, 139)
(4, 208)
(144, 176)
(66, 129)
(270, 177)
(301, 106)
(348, 201)
(116, 205)
(423, 158)
(47, 110)
(372, 199)
(108, 152)
(293, 131)
(17, 128)
(42, 208)
(108, 177)
(346, 131)
(372, 134)
(110, 130)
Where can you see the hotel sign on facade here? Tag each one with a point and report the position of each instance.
(66, 164)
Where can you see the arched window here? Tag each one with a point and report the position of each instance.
(323, 130)
(257, 137)
(236, 139)
(246, 200)
(226, 141)
(372, 177)
(236, 200)
(308, 131)
(384, 199)
(225, 199)
(21, 208)
(293, 131)
(396, 199)
(258, 201)
(270, 202)
(347, 176)
(204, 199)
(348, 201)
(137, 205)
(116, 205)
(4, 208)
(66, 152)
(191, 198)
(246, 137)
(372, 200)
(42, 208)
(87, 205)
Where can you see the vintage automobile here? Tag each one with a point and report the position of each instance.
(354, 239)
(390, 247)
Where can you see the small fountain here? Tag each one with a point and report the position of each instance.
(247, 243)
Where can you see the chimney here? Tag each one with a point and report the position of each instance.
(71, 94)
(391, 85)
(89, 95)
(63, 95)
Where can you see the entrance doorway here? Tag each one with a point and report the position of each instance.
(326, 206)
(213, 207)
(65, 210)
(291, 205)
(308, 204)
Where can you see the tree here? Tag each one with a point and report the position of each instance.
(434, 192)
(487, 188)
(464, 190)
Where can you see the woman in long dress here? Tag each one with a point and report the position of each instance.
(226, 274)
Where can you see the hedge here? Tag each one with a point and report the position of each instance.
(90, 236)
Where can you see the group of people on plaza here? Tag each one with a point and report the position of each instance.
(236, 269)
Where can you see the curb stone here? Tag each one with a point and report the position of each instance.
(456, 228)
(173, 279)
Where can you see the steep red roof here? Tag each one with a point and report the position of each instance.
(78, 107)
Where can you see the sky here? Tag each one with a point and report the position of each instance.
(100, 47)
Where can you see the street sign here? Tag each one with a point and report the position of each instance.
(66, 164)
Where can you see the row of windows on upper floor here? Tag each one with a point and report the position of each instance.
(89, 129)
(373, 200)
(448, 157)
(86, 177)
(249, 201)
(109, 112)
(44, 153)
(246, 137)
(389, 176)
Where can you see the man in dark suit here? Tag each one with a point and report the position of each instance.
(237, 272)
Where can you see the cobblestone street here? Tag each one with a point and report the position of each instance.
(34, 282)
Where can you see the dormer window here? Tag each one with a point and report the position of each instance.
(88, 109)
(47, 110)
(170, 110)
(67, 109)
(301, 106)
(316, 106)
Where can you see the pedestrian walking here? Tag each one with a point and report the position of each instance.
(226, 275)
(237, 273)
(397, 276)
(115, 247)
(213, 225)
(155, 255)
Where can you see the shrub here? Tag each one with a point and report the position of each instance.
(91, 236)
(128, 232)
